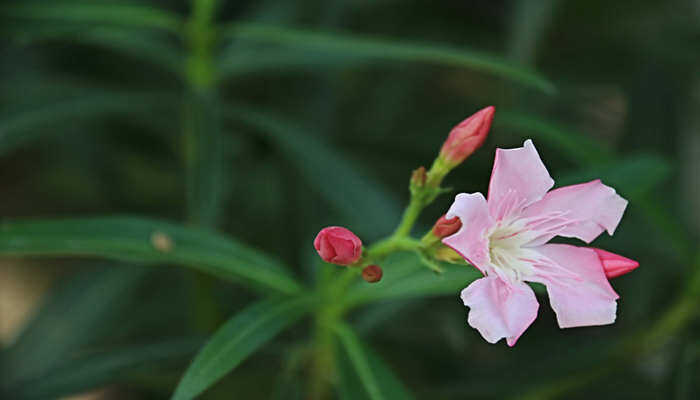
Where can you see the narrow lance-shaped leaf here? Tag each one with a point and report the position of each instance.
(387, 50)
(405, 277)
(103, 367)
(146, 241)
(237, 339)
(141, 46)
(376, 380)
(98, 13)
(583, 150)
(343, 183)
(30, 123)
(73, 316)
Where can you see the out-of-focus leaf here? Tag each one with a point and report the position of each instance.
(633, 176)
(376, 380)
(146, 241)
(580, 148)
(74, 316)
(407, 278)
(88, 372)
(96, 12)
(248, 60)
(207, 173)
(17, 126)
(387, 50)
(343, 183)
(238, 338)
(141, 46)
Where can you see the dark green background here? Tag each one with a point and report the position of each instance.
(101, 116)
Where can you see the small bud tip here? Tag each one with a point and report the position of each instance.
(467, 136)
(372, 273)
(614, 264)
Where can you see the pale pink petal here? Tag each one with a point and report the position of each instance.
(471, 241)
(579, 292)
(583, 211)
(519, 178)
(498, 309)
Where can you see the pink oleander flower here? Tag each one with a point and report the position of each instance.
(337, 245)
(467, 136)
(506, 239)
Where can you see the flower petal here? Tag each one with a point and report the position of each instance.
(583, 211)
(470, 241)
(579, 292)
(519, 178)
(498, 309)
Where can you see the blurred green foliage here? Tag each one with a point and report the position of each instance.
(250, 125)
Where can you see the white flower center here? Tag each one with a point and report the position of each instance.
(510, 258)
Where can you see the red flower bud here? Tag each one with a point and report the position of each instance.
(468, 136)
(372, 273)
(615, 265)
(338, 245)
(445, 227)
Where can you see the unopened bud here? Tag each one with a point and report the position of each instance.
(615, 265)
(445, 227)
(372, 273)
(445, 253)
(337, 245)
(468, 136)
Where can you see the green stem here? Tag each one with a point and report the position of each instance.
(410, 215)
(203, 148)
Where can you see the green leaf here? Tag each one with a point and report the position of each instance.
(140, 46)
(73, 316)
(21, 126)
(374, 377)
(406, 278)
(386, 50)
(633, 176)
(240, 61)
(104, 367)
(238, 338)
(580, 148)
(97, 13)
(146, 241)
(344, 184)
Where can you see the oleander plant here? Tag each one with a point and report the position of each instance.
(277, 200)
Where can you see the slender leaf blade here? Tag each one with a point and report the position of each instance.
(580, 148)
(377, 380)
(146, 241)
(104, 367)
(407, 278)
(359, 197)
(72, 317)
(237, 339)
(98, 13)
(21, 126)
(388, 50)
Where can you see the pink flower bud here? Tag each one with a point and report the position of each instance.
(468, 136)
(372, 273)
(338, 245)
(445, 227)
(615, 265)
